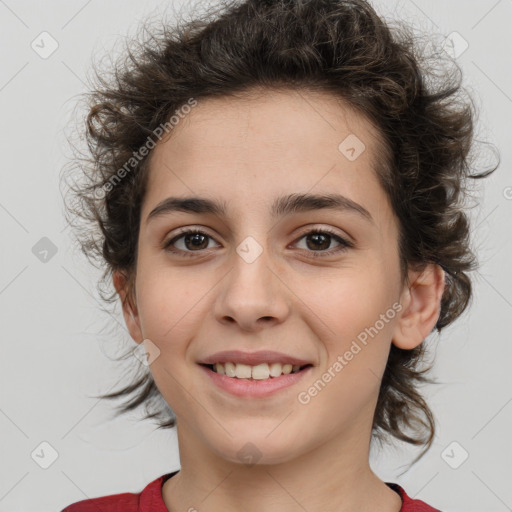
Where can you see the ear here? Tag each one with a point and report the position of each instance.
(421, 301)
(130, 312)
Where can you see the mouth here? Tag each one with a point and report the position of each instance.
(263, 371)
(260, 381)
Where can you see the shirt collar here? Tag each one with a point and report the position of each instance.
(151, 499)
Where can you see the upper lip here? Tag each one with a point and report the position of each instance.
(253, 358)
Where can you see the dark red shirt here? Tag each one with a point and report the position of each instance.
(150, 500)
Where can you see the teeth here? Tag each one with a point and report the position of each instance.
(230, 369)
(276, 369)
(259, 372)
(242, 371)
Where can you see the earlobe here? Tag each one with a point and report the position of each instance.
(422, 306)
(130, 311)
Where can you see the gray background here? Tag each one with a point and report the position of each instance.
(58, 353)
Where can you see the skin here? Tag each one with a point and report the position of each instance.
(249, 151)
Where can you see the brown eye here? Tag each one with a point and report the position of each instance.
(191, 241)
(196, 241)
(319, 241)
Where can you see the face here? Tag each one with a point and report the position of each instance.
(320, 282)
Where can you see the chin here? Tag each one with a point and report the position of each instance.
(257, 447)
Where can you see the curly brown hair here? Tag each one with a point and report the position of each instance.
(341, 47)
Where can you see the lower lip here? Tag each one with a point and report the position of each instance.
(251, 388)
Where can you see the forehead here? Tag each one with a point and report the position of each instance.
(281, 122)
(268, 141)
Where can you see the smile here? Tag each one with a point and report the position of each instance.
(260, 384)
(261, 371)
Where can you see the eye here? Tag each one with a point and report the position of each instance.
(194, 240)
(321, 239)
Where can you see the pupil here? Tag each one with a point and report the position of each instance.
(318, 239)
(195, 237)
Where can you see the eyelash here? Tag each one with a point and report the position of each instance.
(344, 244)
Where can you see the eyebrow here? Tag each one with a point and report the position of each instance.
(286, 205)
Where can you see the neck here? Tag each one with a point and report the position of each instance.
(333, 476)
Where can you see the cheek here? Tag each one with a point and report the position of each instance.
(170, 302)
(360, 321)
(360, 316)
(358, 298)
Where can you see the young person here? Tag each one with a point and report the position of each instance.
(279, 196)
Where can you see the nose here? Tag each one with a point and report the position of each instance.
(252, 295)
